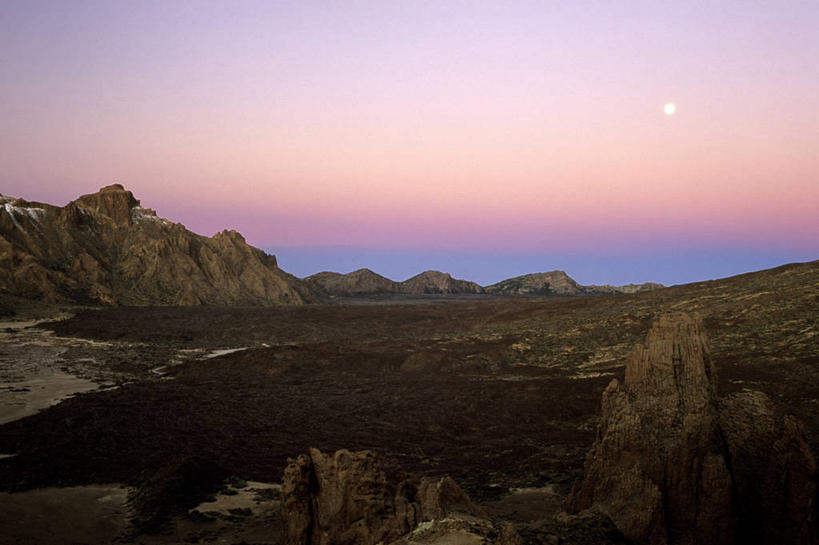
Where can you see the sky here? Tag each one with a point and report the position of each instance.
(486, 139)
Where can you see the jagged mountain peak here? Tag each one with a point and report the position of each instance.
(113, 201)
(104, 248)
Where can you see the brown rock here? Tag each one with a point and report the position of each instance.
(658, 467)
(664, 467)
(104, 248)
(113, 202)
(773, 470)
(344, 498)
(350, 498)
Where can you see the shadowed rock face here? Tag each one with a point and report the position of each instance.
(104, 248)
(348, 498)
(672, 465)
(773, 470)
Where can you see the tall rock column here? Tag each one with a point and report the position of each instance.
(672, 464)
(658, 468)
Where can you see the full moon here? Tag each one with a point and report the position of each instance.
(669, 109)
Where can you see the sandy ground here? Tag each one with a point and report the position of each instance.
(237, 515)
(57, 516)
(39, 369)
(32, 370)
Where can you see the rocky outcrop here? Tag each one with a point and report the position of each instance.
(351, 498)
(435, 282)
(559, 283)
(673, 465)
(360, 282)
(104, 248)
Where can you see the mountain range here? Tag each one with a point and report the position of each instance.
(104, 248)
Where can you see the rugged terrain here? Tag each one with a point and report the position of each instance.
(503, 395)
(674, 463)
(105, 249)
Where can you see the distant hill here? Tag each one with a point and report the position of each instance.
(559, 283)
(360, 282)
(628, 288)
(429, 282)
(104, 248)
(547, 283)
(366, 282)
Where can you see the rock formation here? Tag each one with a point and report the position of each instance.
(360, 282)
(671, 464)
(350, 498)
(435, 282)
(559, 283)
(104, 248)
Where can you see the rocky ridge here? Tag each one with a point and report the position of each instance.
(436, 282)
(360, 282)
(352, 498)
(367, 282)
(674, 464)
(104, 248)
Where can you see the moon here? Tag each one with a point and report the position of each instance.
(670, 108)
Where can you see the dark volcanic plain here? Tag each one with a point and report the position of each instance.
(497, 393)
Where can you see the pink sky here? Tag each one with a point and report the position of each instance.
(510, 126)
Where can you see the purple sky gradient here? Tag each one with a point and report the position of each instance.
(480, 137)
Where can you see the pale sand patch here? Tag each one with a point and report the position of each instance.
(255, 518)
(47, 388)
(222, 352)
(245, 498)
(31, 378)
(57, 516)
